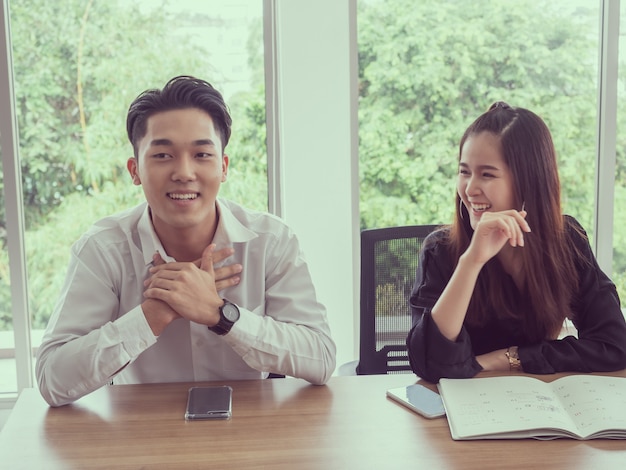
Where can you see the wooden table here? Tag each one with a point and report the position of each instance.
(277, 423)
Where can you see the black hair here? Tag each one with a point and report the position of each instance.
(549, 257)
(180, 92)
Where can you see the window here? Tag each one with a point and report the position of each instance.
(8, 377)
(427, 69)
(77, 66)
(318, 185)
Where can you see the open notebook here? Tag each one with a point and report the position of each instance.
(575, 406)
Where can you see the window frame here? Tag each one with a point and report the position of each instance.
(14, 211)
(279, 20)
(606, 140)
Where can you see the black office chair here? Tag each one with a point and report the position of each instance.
(389, 258)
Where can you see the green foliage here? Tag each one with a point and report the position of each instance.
(247, 173)
(5, 291)
(247, 179)
(390, 300)
(78, 64)
(426, 75)
(395, 281)
(426, 70)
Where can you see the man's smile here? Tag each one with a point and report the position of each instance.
(183, 196)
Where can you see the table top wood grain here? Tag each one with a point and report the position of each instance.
(277, 423)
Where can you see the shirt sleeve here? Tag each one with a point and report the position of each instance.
(431, 354)
(85, 343)
(292, 336)
(601, 342)
(600, 345)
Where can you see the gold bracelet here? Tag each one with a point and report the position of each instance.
(513, 357)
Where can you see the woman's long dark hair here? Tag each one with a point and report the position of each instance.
(548, 259)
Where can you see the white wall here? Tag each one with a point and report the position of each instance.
(4, 415)
(316, 71)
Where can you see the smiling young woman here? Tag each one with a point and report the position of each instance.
(494, 288)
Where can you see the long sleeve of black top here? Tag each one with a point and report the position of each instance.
(600, 345)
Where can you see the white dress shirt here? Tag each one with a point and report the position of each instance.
(98, 333)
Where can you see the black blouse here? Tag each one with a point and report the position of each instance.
(601, 342)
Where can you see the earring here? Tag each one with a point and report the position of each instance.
(461, 208)
(523, 204)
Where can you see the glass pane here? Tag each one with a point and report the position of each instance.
(8, 373)
(427, 69)
(619, 221)
(77, 66)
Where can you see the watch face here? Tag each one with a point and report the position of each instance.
(231, 312)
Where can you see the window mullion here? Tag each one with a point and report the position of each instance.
(274, 168)
(606, 137)
(14, 210)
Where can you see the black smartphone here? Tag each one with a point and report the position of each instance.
(209, 403)
(420, 399)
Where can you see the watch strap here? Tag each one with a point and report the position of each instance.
(515, 365)
(224, 325)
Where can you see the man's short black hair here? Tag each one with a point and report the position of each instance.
(180, 92)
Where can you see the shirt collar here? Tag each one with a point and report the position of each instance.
(150, 242)
(229, 230)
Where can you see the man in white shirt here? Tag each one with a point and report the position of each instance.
(186, 286)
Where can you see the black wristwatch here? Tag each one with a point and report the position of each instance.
(229, 314)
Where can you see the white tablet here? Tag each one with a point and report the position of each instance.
(420, 399)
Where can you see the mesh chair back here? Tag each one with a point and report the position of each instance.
(389, 258)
